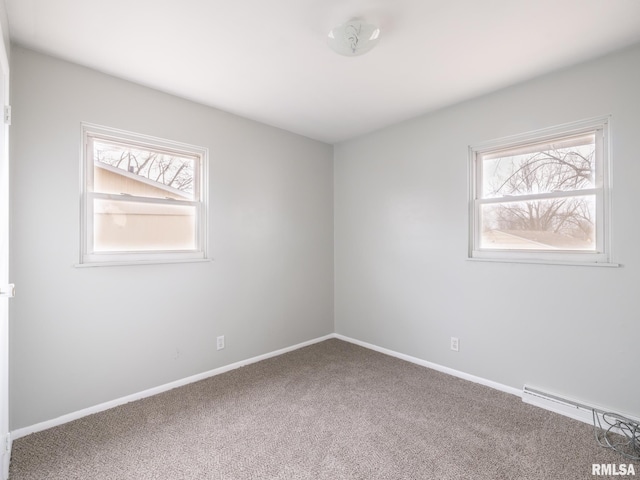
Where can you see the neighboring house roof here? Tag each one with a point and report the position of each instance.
(501, 239)
(174, 192)
(533, 240)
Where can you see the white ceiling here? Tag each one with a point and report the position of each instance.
(268, 59)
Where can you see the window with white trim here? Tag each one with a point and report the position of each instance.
(144, 199)
(543, 196)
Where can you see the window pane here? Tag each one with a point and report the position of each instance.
(142, 172)
(567, 165)
(121, 226)
(552, 224)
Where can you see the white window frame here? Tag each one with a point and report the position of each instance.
(88, 257)
(602, 256)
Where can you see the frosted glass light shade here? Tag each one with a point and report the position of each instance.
(353, 38)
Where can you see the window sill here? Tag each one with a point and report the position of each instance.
(141, 262)
(546, 262)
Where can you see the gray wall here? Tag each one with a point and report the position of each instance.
(402, 280)
(4, 23)
(83, 336)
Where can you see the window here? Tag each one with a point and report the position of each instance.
(542, 197)
(143, 198)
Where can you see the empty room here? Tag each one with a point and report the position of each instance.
(305, 239)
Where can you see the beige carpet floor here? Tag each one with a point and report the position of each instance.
(329, 411)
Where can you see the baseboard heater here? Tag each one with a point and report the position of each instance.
(566, 406)
(557, 404)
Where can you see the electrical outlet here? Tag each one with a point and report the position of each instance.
(455, 344)
(220, 342)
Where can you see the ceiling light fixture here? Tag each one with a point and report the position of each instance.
(353, 38)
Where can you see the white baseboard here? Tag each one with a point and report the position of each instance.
(568, 408)
(434, 366)
(38, 427)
